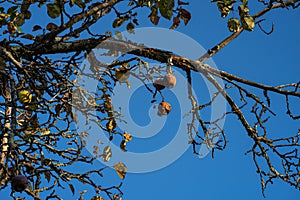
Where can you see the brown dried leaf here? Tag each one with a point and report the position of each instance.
(185, 15)
(51, 26)
(36, 27)
(121, 169)
(176, 22)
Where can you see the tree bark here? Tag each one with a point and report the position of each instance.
(7, 120)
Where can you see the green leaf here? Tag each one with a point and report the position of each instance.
(51, 26)
(36, 27)
(245, 2)
(72, 3)
(224, 8)
(118, 22)
(233, 24)
(166, 8)
(243, 11)
(19, 29)
(41, 3)
(27, 14)
(28, 36)
(19, 20)
(145, 3)
(12, 10)
(130, 27)
(248, 23)
(25, 5)
(119, 35)
(1, 9)
(53, 10)
(154, 18)
(24, 8)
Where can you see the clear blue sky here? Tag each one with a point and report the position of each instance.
(230, 175)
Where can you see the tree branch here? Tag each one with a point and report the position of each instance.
(230, 38)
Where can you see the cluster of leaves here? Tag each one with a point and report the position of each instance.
(158, 9)
(15, 16)
(245, 20)
(40, 142)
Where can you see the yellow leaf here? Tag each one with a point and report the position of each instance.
(119, 35)
(111, 125)
(30, 130)
(45, 131)
(128, 84)
(121, 169)
(4, 16)
(33, 106)
(25, 97)
(106, 154)
(117, 197)
(97, 198)
(127, 136)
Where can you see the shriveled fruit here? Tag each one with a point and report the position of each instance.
(169, 80)
(159, 84)
(164, 108)
(19, 183)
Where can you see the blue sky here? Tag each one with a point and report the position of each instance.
(253, 55)
(231, 174)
